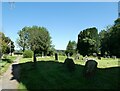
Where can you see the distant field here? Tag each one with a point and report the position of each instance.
(50, 74)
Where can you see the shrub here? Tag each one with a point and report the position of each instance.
(90, 68)
(69, 63)
(27, 54)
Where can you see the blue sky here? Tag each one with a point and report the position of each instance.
(64, 20)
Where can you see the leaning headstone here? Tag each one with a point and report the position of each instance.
(90, 68)
(69, 63)
(56, 56)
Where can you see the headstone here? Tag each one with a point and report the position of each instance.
(56, 56)
(68, 55)
(85, 58)
(94, 54)
(114, 57)
(90, 68)
(108, 56)
(42, 54)
(69, 63)
(77, 56)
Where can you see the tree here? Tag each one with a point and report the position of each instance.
(71, 48)
(22, 41)
(51, 50)
(103, 40)
(35, 38)
(88, 41)
(5, 41)
(111, 40)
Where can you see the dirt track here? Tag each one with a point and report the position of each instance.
(6, 80)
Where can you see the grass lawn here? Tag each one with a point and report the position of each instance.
(50, 74)
(4, 63)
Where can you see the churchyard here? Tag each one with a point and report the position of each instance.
(52, 74)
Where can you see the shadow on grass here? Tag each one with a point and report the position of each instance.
(54, 75)
(7, 60)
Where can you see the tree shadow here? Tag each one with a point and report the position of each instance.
(54, 75)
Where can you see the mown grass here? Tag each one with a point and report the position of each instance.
(4, 63)
(50, 74)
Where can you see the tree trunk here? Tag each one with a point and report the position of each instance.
(34, 57)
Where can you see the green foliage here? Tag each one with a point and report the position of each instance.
(5, 56)
(35, 38)
(6, 43)
(39, 39)
(27, 54)
(117, 21)
(88, 41)
(51, 50)
(111, 40)
(71, 48)
(22, 41)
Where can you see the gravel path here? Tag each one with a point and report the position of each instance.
(6, 80)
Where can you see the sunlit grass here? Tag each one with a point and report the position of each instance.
(4, 63)
(103, 63)
(51, 74)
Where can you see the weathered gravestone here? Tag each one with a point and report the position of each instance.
(85, 58)
(90, 68)
(114, 57)
(108, 56)
(68, 55)
(94, 54)
(77, 56)
(69, 63)
(56, 56)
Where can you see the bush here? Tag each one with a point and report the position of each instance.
(27, 54)
(69, 63)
